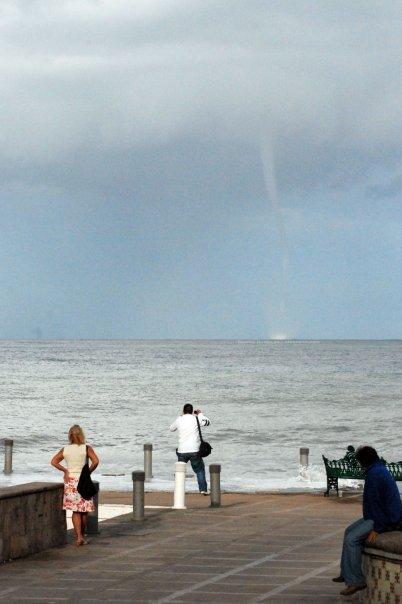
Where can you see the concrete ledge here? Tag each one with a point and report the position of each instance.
(27, 489)
(383, 554)
(382, 564)
(31, 519)
(388, 542)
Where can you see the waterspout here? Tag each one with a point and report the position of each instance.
(279, 327)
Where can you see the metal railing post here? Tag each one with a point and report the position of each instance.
(138, 495)
(215, 485)
(148, 462)
(304, 453)
(8, 455)
(93, 517)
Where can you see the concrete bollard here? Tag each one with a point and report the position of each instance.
(179, 500)
(138, 495)
(304, 452)
(215, 485)
(8, 455)
(92, 518)
(148, 462)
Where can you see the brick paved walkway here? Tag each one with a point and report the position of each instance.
(256, 548)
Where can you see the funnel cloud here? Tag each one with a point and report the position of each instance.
(279, 320)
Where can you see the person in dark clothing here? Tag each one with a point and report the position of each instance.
(350, 456)
(382, 511)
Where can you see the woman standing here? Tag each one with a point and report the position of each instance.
(75, 455)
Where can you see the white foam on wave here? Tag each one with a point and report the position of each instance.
(314, 480)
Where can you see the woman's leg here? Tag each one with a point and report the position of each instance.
(77, 524)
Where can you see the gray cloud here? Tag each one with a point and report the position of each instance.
(100, 94)
(388, 190)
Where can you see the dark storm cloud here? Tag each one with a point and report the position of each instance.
(122, 96)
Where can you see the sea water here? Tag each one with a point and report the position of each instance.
(265, 400)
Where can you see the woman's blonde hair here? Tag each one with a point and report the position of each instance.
(76, 435)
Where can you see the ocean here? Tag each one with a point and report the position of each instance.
(265, 400)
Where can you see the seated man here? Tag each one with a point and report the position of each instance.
(351, 456)
(382, 511)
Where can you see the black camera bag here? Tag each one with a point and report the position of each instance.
(205, 448)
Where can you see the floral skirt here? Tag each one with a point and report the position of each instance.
(72, 500)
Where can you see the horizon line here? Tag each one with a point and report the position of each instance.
(272, 339)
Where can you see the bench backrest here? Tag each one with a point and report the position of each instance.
(346, 468)
(343, 468)
(395, 467)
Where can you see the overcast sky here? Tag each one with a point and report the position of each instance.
(200, 169)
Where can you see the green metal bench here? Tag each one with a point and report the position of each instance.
(348, 467)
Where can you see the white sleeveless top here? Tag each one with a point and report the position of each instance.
(75, 456)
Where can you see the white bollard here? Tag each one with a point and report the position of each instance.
(179, 501)
(304, 452)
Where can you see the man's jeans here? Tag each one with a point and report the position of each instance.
(197, 463)
(351, 561)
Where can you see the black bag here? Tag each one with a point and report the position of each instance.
(205, 448)
(85, 486)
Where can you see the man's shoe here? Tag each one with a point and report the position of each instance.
(352, 589)
(204, 493)
(339, 579)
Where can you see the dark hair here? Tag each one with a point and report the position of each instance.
(188, 408)
(351, 449)
(366, 456)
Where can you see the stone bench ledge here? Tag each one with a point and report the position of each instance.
(31, 519)
(378, 553)
(28, 488)
(385, 544)
(382, 565)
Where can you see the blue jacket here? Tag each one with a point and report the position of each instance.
(381, 498)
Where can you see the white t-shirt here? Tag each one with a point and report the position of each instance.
(189, 438)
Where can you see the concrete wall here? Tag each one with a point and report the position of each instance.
(382, 564)
(31, 519)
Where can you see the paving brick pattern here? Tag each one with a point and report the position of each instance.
(255, 548)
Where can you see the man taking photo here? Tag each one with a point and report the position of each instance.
(189, 442)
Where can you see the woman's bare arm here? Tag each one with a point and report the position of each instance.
(56, 463)
(94, 459)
